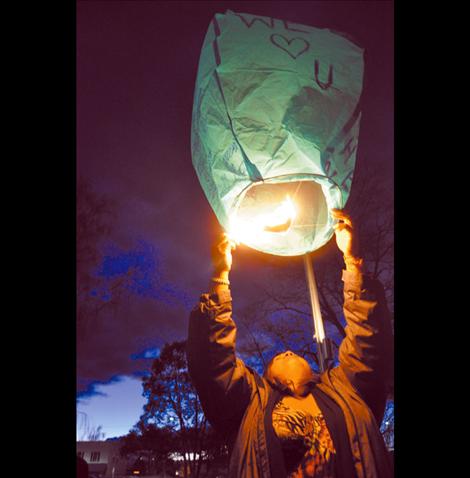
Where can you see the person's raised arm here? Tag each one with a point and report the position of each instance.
(222, 264)
(365, 354)
(223, 382)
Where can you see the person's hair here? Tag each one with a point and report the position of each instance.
(288, 387)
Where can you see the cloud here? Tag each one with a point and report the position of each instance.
(148, 311)
(146, 354)
(115, 407)
(93, 389)
(139, 269)
(134, 330)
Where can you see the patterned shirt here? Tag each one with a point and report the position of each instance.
(306, 442)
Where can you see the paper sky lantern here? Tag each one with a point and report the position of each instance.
(275, 129)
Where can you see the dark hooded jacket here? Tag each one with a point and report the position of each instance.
(238, 402)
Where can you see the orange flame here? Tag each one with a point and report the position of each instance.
(277, 221)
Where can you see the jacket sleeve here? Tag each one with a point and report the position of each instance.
(224, 384)
(366, 353)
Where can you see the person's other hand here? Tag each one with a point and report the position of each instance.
(344, 231)
(222, 254)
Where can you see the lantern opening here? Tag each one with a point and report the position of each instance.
(284, 218)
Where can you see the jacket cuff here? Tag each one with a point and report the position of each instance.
(217, 298)
(353, 281)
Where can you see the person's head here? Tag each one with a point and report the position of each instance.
(291, 373)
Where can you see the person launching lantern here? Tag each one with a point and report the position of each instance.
(275, 127)
(292, 422)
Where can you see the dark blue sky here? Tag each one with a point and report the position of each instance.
(136, 69)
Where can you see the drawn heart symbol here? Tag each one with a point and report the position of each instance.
(294, 47)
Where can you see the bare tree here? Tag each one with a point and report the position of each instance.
(95, 216)
(89, 432)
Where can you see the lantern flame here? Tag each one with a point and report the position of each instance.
(280, 220)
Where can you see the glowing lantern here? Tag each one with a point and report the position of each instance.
(275, 129)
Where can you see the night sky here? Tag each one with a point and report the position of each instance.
(136, 70)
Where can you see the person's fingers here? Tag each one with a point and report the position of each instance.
(224, 242)
(226, 246)
(336, 212)
(341, 215)
(341, 227)
(227, 240)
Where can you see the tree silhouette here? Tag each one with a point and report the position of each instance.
(172, 403)
(388, 425)
(150, 447)
(95, 215)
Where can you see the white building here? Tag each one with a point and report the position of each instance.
(103, 458)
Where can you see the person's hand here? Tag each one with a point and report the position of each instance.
(222, 254)
(344, 231)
